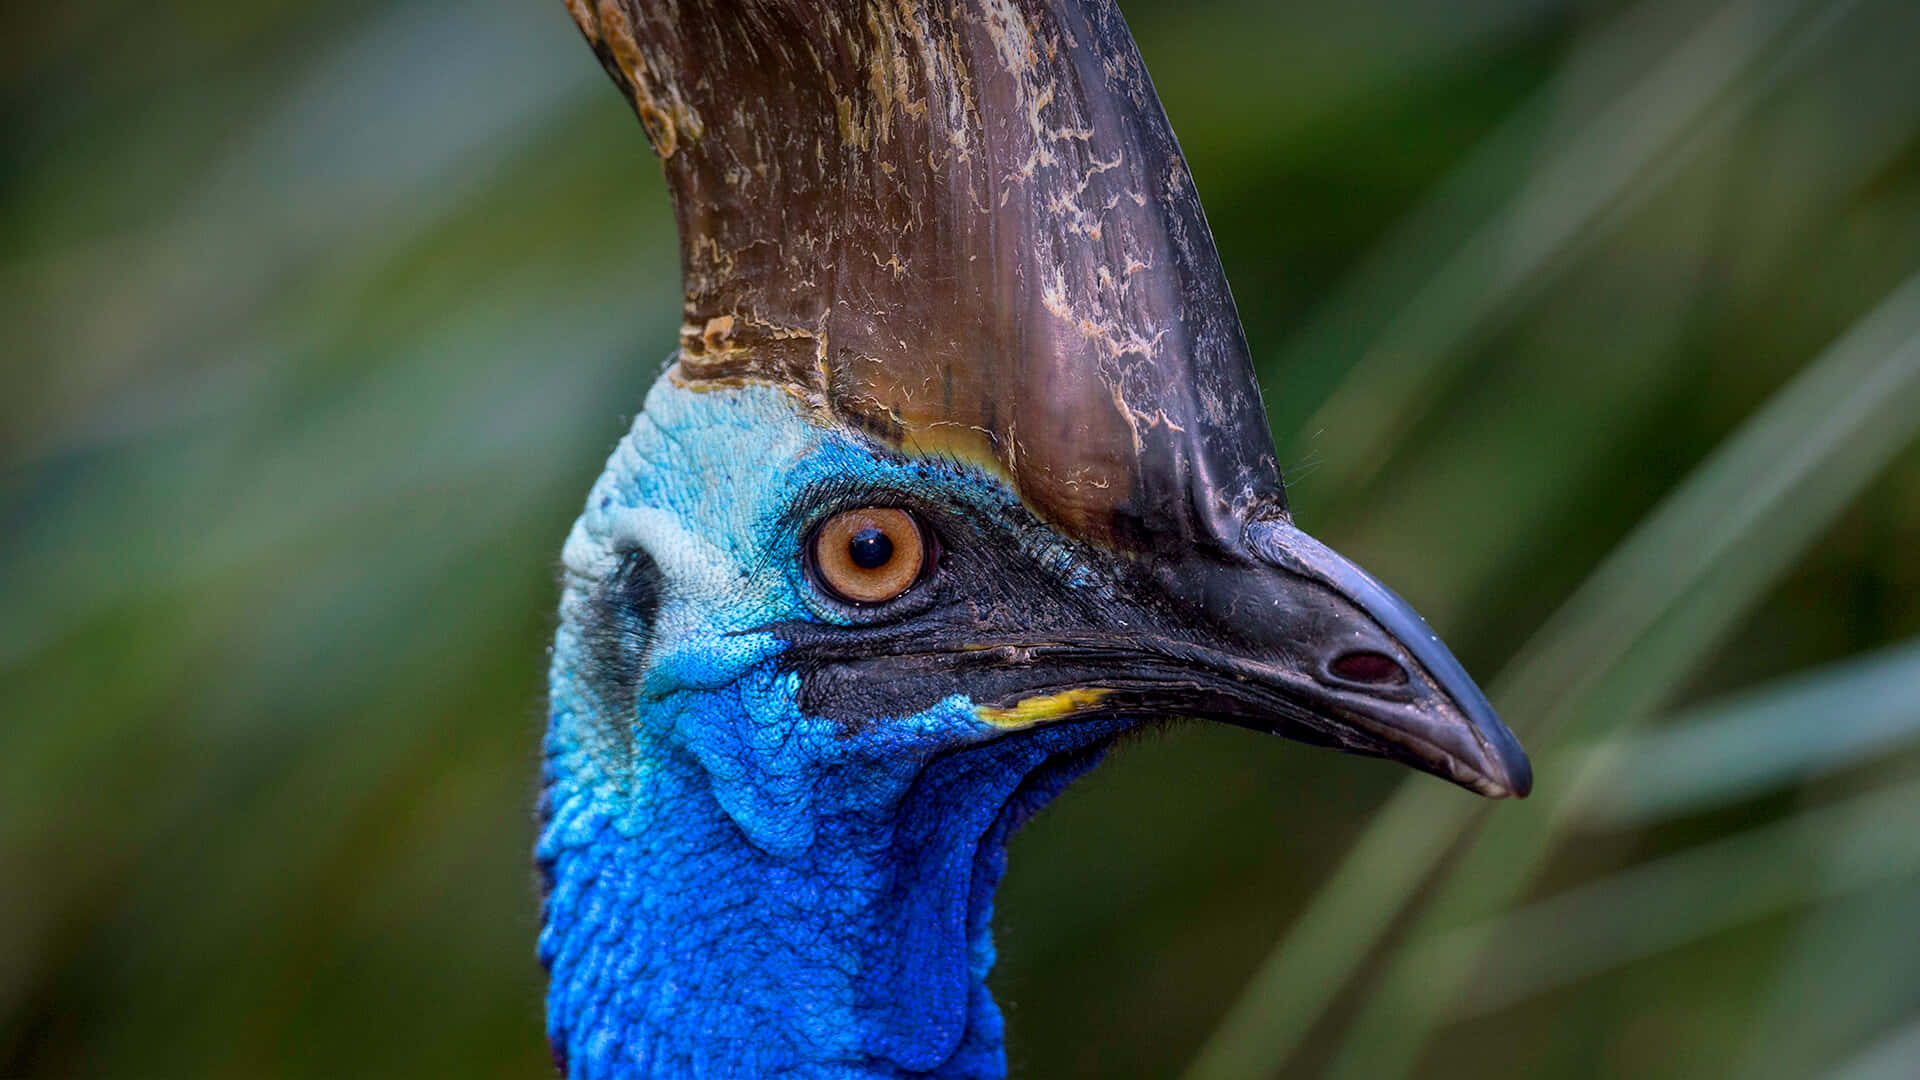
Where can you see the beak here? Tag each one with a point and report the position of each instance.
(1379, 672)
(1286, 637)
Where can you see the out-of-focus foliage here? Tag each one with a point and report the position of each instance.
(1593, 327)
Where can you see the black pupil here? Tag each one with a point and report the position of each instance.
(870, 549)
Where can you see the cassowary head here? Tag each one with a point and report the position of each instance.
(960, 471)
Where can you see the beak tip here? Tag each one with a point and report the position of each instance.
(1509, 774)
(1519, 780)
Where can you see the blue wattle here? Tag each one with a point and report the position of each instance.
(923, 986)
(684, 949)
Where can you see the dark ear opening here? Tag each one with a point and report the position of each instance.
(618, 629)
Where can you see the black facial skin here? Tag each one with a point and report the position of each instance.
(1280, 635)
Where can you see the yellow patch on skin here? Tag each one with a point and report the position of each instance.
(1038, 710)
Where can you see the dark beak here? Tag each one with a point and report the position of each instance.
(1378, 676)
(1284, 636)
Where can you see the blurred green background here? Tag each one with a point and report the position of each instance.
(1593, 327)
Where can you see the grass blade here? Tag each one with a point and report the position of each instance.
(1817, 855)
(1632, 144)
(1759, 742)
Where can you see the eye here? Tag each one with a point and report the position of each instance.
(869, 556)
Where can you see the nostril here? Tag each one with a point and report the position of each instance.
(1366, 666)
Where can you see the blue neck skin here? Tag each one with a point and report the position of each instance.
(691, 951)
(736, 889)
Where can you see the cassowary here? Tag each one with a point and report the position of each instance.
(960, 471)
